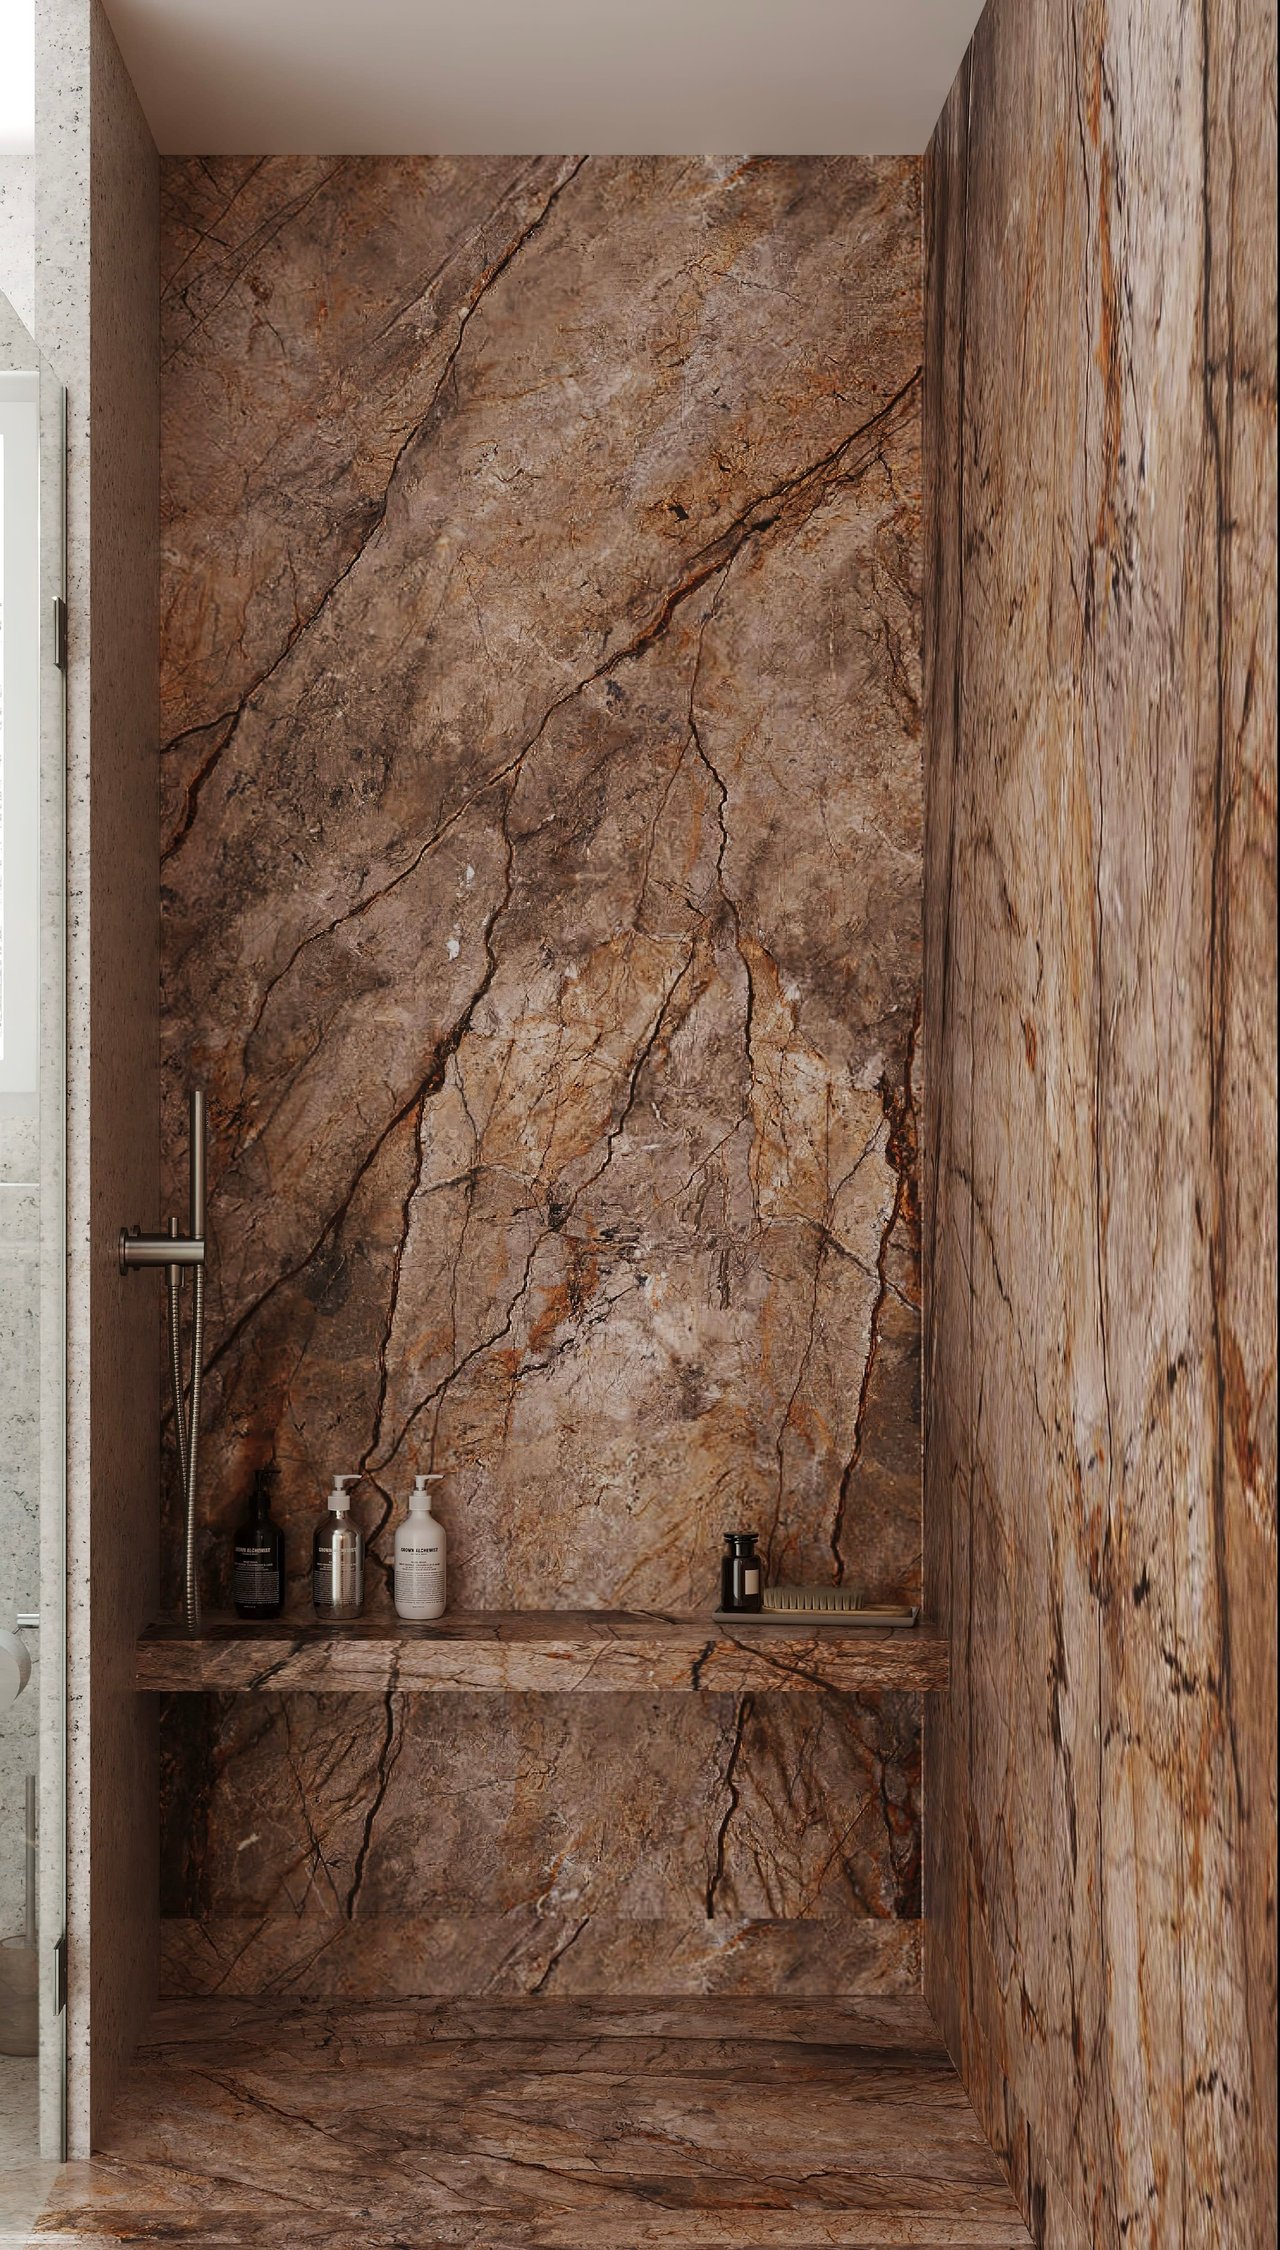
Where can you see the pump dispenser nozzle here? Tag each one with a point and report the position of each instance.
(340, 1498)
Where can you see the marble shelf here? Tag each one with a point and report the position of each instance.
(535, 1651)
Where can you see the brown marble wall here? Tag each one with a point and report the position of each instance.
(347, 1845)
(541, 863)
(1100, 1214)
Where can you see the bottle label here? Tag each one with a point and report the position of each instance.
(419, 1575)
(337, 1580)
(256, 1581)
(750, 1581)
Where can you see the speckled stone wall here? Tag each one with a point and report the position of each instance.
(96, 281)
(1100, 1213)
(541, 867)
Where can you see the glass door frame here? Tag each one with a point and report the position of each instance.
(53, 1267)
(45, 1627)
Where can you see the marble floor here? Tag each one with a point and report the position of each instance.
(540, 2125)
(24, 2180)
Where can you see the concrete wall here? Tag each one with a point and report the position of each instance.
(95, 303)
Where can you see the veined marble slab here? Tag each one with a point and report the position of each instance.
(1100, 1116)
(527, 1651)
(549, 1947)
(734, 2125)
(541, 829)
(410, 1846)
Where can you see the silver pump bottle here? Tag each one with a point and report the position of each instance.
(337, 1570)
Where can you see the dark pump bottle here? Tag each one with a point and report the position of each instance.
(258, 1582)
(740, 1573)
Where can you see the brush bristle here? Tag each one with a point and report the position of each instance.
(812, 1598)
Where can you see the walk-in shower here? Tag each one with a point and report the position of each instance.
(177, 1253)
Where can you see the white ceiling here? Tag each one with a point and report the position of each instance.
(453, 77)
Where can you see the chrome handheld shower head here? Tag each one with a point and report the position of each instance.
(196, 1152)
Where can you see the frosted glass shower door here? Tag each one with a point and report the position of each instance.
(32, 1285)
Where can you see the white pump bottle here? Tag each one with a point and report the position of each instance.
(420, 1556)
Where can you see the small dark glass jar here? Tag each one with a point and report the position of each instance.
(740, 1573)
(258, 1564)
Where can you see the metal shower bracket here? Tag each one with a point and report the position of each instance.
(175, 1252)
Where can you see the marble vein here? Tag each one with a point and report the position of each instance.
(542, 807)
(542, 2124)
(1099, 1218)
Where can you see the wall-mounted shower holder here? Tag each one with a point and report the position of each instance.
(175, 1252)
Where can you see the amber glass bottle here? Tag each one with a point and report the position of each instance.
(740, 1573)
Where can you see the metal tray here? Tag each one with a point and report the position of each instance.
(867, 1620)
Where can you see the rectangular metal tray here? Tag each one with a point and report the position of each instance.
(867, 1620)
